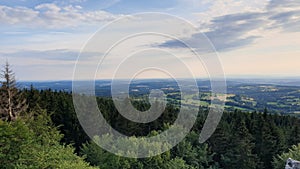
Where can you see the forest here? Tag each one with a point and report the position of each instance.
(40, 129)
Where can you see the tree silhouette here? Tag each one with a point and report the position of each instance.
(11, 102)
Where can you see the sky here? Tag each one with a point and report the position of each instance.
(43, 39)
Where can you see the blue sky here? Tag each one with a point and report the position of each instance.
(42, 39)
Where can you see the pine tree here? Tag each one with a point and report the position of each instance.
(280, 160)
(11, 102)
(294, 135)
(33, 142)
(240, 153)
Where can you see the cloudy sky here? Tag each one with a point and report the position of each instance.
(42, 39)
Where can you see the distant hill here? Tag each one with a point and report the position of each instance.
(279, 95)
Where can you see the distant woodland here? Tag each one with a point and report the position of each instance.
(40, 129)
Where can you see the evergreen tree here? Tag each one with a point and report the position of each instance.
(280, 160)
(272, 143)
(34, 143)
(294, 135)
(11, 102)
(240, 153)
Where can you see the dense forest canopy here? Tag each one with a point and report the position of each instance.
(45, 133)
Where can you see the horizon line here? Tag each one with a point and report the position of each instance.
(233, 77)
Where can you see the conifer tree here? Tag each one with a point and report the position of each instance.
(11, 102)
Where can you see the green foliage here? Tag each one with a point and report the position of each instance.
(15, 137)
(183, 155)
(99, 157)
(54, 156)
(294, 135)
(240, 150)
(177, 163)
(251, 139)
(60, 106)
(242, 140)
(34, 143)
(106, 160)
(280, 160)
(193, 153)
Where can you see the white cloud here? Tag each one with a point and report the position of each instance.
(52, 16)
(240, 25)
(225, 7)
(17, 15)
(233, 25)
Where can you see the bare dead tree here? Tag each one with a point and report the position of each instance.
(12, 104)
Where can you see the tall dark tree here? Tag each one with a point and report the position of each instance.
(240, 153)
(11, 102)
(294, 135)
